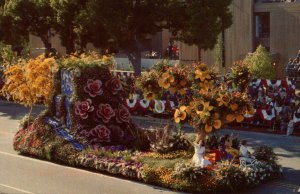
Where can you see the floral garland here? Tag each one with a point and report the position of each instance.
(159, 106)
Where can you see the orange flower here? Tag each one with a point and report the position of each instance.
(216, 124)
(223, 100)
(180, 114)
(183, 82)
(150, 96)
(202, 72)
(182, 91)
(172, 90)
(204, 109)
(206, 85)
(234, 106)
(166, 80)
(235, 116)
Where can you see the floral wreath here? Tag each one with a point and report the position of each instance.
(144, 104)
(159, 106)
(132, 104)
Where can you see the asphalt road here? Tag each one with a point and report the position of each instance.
(19, 174)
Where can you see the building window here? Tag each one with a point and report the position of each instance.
(262, 29)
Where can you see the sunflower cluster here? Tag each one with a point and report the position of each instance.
(148, 84)
(204, 78)
(175, 79)
(212, 105)
(240, 76)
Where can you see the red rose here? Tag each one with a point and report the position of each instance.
(105, 112)
(122, 114)
(114, 85)
(93, 88)
(100, 133)
(82, 108)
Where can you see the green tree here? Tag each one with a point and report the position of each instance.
(29, 16)
(70, 23)
(260, 64)
(130, 23)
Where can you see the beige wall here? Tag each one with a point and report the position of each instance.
(284, 32)
(238, 38)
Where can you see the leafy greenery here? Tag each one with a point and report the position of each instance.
(260, 64)
(265, 153)
(128, 29)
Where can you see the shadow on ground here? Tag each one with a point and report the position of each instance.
(15, 111)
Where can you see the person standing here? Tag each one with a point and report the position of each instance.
(290, 127)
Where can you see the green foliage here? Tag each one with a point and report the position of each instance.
(229, 177)
(202, 21)
(30, 16)
(266, 154)
(260, 64)
(7, 56)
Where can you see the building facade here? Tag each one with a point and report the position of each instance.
(273, 23)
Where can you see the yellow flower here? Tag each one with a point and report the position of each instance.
(180, 114)
(223, 100)
(216, 124)
(172, 90)
(182, 91)
(166, 80)
(207, 85)
(234, 106)
(150, 96)
(204, 109)
(202, 72)
(235, 116)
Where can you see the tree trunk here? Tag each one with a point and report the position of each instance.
(136, 60)
(70, 48)
(29, 115)
(47, 45)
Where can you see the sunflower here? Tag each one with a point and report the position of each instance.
(235, 117)
(150, 96)
(202, 72)
(180, 114)
(204, 108)
(166, 80)
(223, 100)
(207, 85)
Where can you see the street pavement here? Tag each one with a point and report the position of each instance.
(20, 174)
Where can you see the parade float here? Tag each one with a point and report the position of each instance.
(87, 124)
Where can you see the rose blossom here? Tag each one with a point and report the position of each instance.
(100, 133)
(114, 85)
(105, 112)
(82, 108)
(93, 88)
(122, 114)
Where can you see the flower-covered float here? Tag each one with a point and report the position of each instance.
(87, 125)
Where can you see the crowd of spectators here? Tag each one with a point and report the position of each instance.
(276, 104)
(293, 66)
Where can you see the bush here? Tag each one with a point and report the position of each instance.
(266, 154)
(260, 64)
